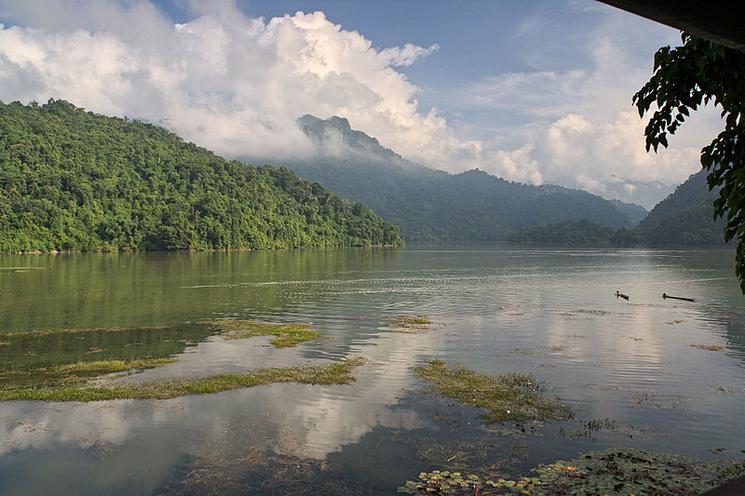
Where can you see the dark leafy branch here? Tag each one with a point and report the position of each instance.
(685, 78)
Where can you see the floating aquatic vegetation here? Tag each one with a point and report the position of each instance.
(81, 330)
(591, 311)
(613, 472)
(109, 366)
(72, 374)
(587, 312)
(410, 323)
(724, 389)
(256, 470)
(285, 335)
(589, 428)
(333, 373)
(516, 430)
(708, 347)
(509, 397)
(644, 397)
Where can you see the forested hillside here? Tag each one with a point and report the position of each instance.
(574, 234)
(74, 180)
(434, 205)
(686, 217)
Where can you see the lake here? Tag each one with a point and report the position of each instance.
(626, 365)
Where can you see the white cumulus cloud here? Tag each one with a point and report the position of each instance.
(237, 84)
(224, 80)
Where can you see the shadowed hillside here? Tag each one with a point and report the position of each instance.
(434, 205)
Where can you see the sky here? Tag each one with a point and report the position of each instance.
(536, 92)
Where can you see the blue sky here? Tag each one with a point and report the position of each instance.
(535, 91)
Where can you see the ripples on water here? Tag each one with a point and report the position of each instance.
(552, 313)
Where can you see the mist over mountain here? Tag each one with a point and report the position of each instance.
(644, 193)
(434, 205)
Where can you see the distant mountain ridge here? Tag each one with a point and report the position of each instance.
(434, 205)
(684, 218)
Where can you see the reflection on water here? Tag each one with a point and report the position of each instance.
(552, 313)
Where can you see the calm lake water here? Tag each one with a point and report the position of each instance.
(549, 312)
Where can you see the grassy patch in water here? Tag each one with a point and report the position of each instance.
(708, 347)
(612, 472)
(110, 366)
(285, 335)
(509, 397)
(71, 374)
(81, 330)
(410, 323)
(334, 373)
(50, 359)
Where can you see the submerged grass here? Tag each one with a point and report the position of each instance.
(509, 397)
(334, 373)
(285, 335)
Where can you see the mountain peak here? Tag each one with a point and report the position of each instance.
(340, 123)
(331, 132)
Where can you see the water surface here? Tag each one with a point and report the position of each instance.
(550, 312)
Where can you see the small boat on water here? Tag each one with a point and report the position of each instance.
(667, 296)
(621, 295)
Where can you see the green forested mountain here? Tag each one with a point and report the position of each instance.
(634, 212)
(686, 217)
(574, 233)
(434, 205)
(74, 180)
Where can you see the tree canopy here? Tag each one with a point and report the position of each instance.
(74, 180)
(685, 78)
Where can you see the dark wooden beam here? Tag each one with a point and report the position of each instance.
(715, 20)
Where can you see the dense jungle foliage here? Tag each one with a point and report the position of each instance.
(74, 180)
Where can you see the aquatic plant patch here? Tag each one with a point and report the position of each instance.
(74, 373)
(708, 347)
(509, 397)
(333, 373)
(285, 335)
(644, 397)
(587, 429)
(410, 323)
(69, 356)
(613, 472)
